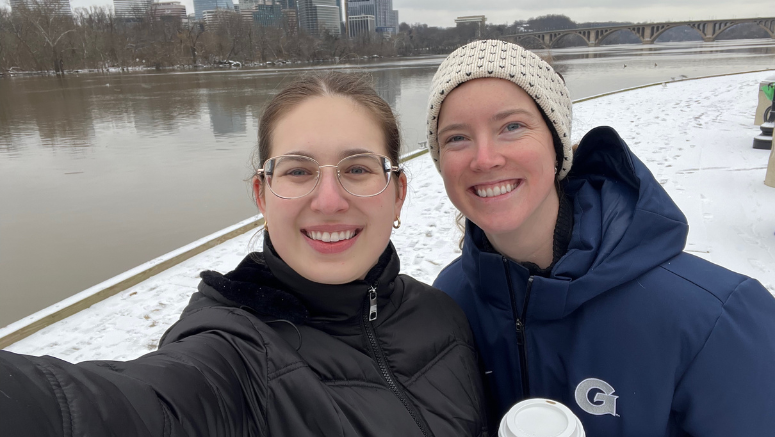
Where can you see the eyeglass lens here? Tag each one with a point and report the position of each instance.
(297, 176)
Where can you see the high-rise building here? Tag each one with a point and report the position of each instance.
(131, 9)
(54, 7)
(169, 10)
(214, 17)
(290, 21)
(386, 19)
(251, 4)
(315, 16)
(210, 5)
(361, 25)
(361, 7)
(269, 14)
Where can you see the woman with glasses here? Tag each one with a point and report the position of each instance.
(317, 334)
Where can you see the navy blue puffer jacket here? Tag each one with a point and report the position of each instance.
(636, 336)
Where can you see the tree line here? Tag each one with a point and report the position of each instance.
(35, 37)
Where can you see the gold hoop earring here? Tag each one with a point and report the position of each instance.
(397, 225)
(266, 226)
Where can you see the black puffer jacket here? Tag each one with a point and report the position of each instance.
(262, 351)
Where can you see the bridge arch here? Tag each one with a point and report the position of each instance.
(519, 38)
(673, 26)
(565, 35)
(758, 23)
(614, 31)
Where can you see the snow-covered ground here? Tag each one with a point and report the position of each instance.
(695, 136)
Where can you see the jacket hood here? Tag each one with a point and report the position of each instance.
(625, 224)
(264, 284)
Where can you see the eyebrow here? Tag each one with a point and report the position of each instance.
(450, 127)
(509, 112)
(497, 117)
(343, 154)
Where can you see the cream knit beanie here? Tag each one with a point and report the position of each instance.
(492, 58)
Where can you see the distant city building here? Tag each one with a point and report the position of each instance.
(168, 10)
(200, 6)
(55, 7)
(213, 17)
(131, 9)
(251, 4)
(315, 16)
(361, 25)
(361, 7)
(477, 21)
(290, 21)
(386, 19)
(269, 14)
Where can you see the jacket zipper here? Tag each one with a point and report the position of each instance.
(372, 303)
(520, 327)
(369, 316)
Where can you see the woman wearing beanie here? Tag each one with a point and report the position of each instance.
(573, 273)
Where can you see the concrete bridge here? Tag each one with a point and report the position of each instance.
(708, 30)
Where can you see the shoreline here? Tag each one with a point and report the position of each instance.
(350, 62)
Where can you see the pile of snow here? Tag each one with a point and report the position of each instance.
(695, 136)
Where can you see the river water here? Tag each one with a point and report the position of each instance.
(102, 172)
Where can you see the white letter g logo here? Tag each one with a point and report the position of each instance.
(604, 401)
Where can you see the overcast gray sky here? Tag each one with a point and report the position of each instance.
(443, 12)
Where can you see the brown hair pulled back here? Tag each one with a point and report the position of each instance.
(356, 87)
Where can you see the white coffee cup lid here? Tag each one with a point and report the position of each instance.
(540, 418)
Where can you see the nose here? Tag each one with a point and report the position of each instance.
(487, 155)
(329, 197)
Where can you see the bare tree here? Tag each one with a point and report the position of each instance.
(51, 23)
(189, 38)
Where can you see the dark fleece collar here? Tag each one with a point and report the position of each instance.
(264, 284)
(563, 231)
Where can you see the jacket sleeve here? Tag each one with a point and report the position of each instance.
(729, 388)
(202, 382)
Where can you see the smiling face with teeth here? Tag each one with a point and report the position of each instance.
(497, 160)
(330, 236)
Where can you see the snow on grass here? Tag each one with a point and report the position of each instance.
(695, 136)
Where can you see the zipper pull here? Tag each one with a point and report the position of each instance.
(372, 303)
(520, 332)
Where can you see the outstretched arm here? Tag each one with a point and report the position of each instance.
(208, 379)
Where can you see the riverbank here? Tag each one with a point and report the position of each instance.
(349, 61)
(695, 136)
